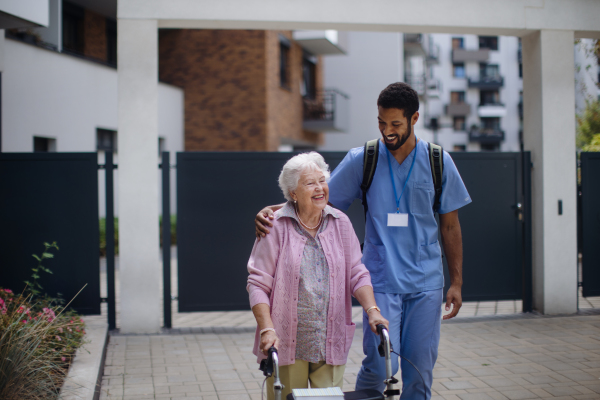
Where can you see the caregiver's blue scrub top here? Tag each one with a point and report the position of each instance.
(400, 259)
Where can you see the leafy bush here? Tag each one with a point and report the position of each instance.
(38, 340)
(103, 234)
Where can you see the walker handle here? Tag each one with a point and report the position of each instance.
(383, 337)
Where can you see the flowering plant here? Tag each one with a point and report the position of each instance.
(38, 340)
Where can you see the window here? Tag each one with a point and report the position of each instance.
(458, 70)
(488, 42)
(308, 86)
(111, 41)
(460, 147)
(457, 97)
(284, 55)
(490, 123)
(459, 124)
(44, 145)
(457, 43)
(489, 71)
(106, 140)
(487, 97)
(72, 25)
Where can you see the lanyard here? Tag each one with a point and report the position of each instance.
(407, 178)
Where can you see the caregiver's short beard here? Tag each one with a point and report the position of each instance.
(402, 140)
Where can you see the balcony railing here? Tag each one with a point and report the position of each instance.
(417, 82)
(458, 109)
(415, 45)
(486, 135)
(433, 54)
(491, 110)
(487, 82)
(434, 88)
(463, 55)
(328, 111)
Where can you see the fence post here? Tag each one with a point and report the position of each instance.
(527, 234)
(166, 237)
(110, 240)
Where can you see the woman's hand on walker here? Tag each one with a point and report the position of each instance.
(375, 318)
(268, 340)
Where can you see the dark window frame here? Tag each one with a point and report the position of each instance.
(457, 65)
(462, 42)
(111, 42)
(488, 42)
(73, 19)
(284, 61)
(106, 140)
(309, 76)
(43, 144)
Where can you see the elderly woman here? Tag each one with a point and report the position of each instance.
(301, 278)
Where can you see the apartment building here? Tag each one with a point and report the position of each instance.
(479, 106)
(252, 90)
(373, 61)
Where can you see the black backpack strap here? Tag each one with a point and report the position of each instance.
(369, 165)
(436, 160)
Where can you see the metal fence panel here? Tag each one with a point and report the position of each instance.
(492, 233)
(590, 223)
(46, 197)
(219, 194)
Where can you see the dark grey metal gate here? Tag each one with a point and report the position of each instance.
(218, 195)
(590, 223)
(51, 197)
(495, 227)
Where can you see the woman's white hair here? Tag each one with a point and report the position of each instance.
(291, 171)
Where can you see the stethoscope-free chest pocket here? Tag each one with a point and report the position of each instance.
(421, 201)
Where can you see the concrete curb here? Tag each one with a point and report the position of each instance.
(85, 374)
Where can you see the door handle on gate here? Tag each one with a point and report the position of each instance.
(519, 209)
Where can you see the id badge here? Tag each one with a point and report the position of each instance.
(397, 219)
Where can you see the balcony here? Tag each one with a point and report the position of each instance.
(433, 55)
(434, 88)
(491, 110)
(462, 55)
(417, 82)
(458, 109)
(321, 43)
(329, 111)
(486, 135)
(414, 44)
(487, 82)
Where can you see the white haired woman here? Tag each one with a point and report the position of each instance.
(301, 279)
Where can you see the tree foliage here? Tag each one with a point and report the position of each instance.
(588, 127)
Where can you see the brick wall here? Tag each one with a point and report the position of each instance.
(222, 73)
(94, 32)
(233, 97)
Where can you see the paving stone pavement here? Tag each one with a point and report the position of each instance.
(498, 358)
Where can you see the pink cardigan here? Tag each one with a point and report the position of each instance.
(274, 269)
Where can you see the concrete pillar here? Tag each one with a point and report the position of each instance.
(549, 133)
(139, 272)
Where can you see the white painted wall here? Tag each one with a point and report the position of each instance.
(31, 10)
(373, 61)
(54, 95)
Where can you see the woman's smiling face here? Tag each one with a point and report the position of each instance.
(312, 192)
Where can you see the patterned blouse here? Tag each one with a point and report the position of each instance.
(313, 291)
